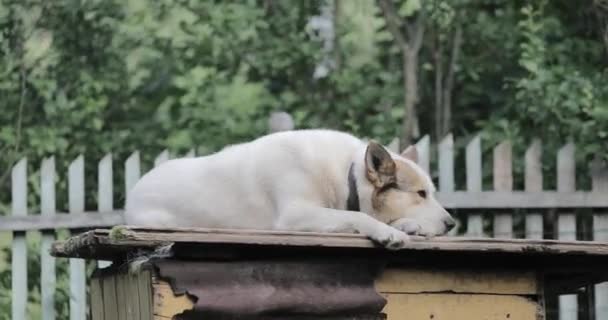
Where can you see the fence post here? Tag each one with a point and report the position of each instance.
(19, 244)
(534, 183)
(77, 266)
(446, 169)
(47, 262)
(161, 158)
(599, 179)
(446, 164)
(423, 147)
(566, 222)
(503, 181)
(394, 145)
(474, 178)
(132, 172)
(105, 189)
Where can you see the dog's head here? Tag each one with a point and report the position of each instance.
(399, 189)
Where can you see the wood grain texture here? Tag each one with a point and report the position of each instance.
(19, 245)
(503, 181)
(76, 192)
(533, 180)
(460, 307)
(47, 262)
(474, 179)
(566, 221)
(457, 281)
(96, 295)
(599, 180)
(131, 238)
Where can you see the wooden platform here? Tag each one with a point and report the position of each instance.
(273, 275)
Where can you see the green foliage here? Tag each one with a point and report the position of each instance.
(91, 77)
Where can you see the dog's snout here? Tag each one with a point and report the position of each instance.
(450, 223)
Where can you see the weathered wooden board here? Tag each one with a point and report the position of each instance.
(460, 307)
(96, 294)
(457, 281)
(86, 244)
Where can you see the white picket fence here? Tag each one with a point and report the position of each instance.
(565, 199)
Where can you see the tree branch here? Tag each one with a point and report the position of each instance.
(419, 30)
(393, 22)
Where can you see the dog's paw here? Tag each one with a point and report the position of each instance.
(408, 226)
(390, 238)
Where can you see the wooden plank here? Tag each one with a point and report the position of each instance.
(121, 296)
(19, 244)
(161, 158)
(133, 289)
(105, 192)
(84, 220)
(566, 223)
(110, 300)
(503, 181)
(77, 266)
(132, 171)
(474, 179)
(146, 296)
(47, 262)
(599, 183)
(227, 236)
(460, 307)
(423, 147)
(446, 171)
(457, 281)
(167, 303)
(97, 304)
(446, 164)
(534, 183)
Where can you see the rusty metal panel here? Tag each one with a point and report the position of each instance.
(258, 288)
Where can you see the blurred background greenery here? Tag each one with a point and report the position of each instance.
(97, 76)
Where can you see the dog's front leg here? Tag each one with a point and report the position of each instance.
(311, 218)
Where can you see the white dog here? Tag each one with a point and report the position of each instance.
(304, 180)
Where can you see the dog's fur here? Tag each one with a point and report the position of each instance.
(294, 180)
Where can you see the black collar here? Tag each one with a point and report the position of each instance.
(352, 203)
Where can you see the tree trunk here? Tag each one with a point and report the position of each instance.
(410, 91)
(448, 88)
(438, 119)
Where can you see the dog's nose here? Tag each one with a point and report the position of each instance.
(449, 223)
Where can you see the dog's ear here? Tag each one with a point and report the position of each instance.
(379, 165)
(411, 153)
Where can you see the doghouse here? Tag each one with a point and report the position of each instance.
(229, 274)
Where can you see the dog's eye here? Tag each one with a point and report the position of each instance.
(422, 193)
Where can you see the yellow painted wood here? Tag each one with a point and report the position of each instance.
(446, 306)
(460, 281)
(167, 303)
